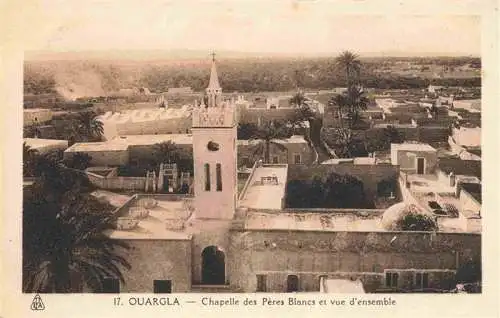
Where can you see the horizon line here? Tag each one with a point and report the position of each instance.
(38, 54)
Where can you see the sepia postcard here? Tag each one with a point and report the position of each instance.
(307, 158)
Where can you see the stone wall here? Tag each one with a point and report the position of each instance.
(118, 183)
(247, 155)
(370, 175)
(157, 260)
(105, 157)
(138, 153)
(364, 255)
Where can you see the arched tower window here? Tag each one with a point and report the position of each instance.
(218, 174)
(207, 177)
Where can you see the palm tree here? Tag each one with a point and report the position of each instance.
(29, 160)
(356, 102)
(270, 133)
(338, 104)
(351, 64)
(298, 100)
(351, 103)
(67, 249)
(65, 246)
(166, 152)
(344, 142)
(90, 126)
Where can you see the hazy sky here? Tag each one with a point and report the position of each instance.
(273, 26)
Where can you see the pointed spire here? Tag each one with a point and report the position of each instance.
(213, 85)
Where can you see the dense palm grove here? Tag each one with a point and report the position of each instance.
(248, 75)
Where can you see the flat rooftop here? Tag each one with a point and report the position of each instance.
(431, 195)
(36, 143)
(164, 220)
(460, 167)
(145, 140)
(115, 199)
(412, 147)
(265, 188)
(426, 183)
(295, 139)
(145, 115)
(35, 110)
(313, 221)
(355, 161)
(97, 146)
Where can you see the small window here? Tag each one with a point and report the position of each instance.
(111, 286)
(275, 159)
(218, 174)
(213, 146)
(162, 286)
(261, 283)
(391, 279)
(421, 280)
(297, 159)
(207, 177)
(245, 161)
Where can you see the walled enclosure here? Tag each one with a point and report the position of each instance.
(363, 255)
(370, 175)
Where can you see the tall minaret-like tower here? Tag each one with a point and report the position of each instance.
(214, 154)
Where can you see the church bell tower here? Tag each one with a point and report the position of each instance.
(214, 154)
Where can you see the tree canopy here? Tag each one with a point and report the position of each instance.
(65, 246)
(330, 191)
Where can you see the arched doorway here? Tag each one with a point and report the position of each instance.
(292, 284)
(213, 266)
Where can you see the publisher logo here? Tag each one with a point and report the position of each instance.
(37, 303)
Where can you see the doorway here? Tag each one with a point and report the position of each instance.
(165, 183)
(213, 266)
(292, 284)
(420, 165)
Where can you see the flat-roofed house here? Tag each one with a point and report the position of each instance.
(149, 121)
(101, 153)
(46, 145)
(36, 116)
(293, 150)
(414, 157)
(472, 105)
(471, 198)
(454, 171)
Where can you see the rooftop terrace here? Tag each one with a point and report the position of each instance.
(154, 217)
(98, 146)
(314, 221)
(38, 143)
(265, 187)
(144, 140)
